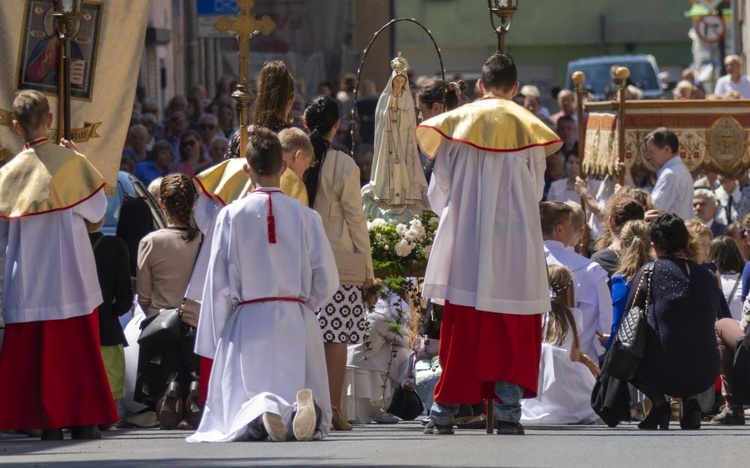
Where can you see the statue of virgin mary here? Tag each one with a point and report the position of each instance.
(397, 183)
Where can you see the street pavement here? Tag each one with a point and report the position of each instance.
(401, 444)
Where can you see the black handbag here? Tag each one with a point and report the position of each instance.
(406, 404)
(161, 330)
(629, 347)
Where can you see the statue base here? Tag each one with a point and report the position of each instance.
(397, 213)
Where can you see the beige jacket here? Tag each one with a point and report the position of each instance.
(165, 263)
(339, 203)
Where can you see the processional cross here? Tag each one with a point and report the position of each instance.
(244, 27)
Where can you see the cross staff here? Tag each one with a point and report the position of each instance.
(244, 27)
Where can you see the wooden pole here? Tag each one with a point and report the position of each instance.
(622, 74)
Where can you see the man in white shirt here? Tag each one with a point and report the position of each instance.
(728, 197)
(673, 191)
(590, 279)
(734, 80)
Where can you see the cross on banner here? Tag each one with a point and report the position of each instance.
(244, 27)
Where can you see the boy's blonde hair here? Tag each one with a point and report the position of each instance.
(293, 139)
(578, 217)
(30, 110)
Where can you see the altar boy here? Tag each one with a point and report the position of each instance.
(50, 365)
(270, 268)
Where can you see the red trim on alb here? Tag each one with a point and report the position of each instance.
(270, 218)
(38, 141)
(272, 299)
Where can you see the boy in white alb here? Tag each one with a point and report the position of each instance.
(50, 364)
(270, 268)
(590, 280)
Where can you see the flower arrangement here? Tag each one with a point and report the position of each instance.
(398, 249)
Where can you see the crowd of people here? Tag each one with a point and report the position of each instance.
(270, 342)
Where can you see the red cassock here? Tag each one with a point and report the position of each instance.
(479, 348)
(52, 375)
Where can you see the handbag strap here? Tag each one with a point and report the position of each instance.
(648, 271)
(734, 289)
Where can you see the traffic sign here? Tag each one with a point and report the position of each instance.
(711, 4)
(217, 7)
(710, 28)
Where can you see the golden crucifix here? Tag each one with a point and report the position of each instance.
(244, 27)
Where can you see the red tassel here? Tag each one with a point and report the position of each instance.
(271, 230)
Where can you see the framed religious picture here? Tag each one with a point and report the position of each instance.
(40, 52)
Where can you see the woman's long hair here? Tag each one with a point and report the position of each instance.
(434, 90)
(726, 255)
(321, 116)
(635, 237)
(561, 320)
(275, 89)
(178, 195)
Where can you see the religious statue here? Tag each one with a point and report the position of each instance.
(397, 189)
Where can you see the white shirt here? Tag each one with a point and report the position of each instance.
(725, 85)
(592, 294)
(673, 191)
(731, 286)
(49, 267)
(488, 252)
(560, 192)
(723, 201)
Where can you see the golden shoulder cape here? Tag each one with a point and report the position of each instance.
(489, 124)
(225, 182)
(45, 178)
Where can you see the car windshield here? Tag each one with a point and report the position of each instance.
(598, 77)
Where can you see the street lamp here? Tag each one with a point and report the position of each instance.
(504, 10)
(66, 14)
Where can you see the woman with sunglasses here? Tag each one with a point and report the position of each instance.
(191, 154)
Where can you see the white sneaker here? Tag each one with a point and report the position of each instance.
(304, 422)
(275, 427)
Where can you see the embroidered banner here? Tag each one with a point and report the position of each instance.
(105, 61)
(712, 135)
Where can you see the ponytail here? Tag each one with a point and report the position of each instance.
(321, 116)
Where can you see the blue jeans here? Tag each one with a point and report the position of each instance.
(507, 409)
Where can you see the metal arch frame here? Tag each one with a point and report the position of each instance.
(364, 57)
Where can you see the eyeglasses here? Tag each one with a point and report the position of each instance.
(177, 119)
(208, 126)
(190, 143)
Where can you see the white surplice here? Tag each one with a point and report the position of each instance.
(264, 352)
(488, 252)
(49, 267)
(206, 211)
(592, 294)
(564, 386)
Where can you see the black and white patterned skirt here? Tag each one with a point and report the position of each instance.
(343, 319)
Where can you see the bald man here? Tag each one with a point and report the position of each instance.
(734, 80)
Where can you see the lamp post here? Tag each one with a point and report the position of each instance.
(66, 14)
(504, 10)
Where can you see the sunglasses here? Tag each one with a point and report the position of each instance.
(177, 119)
(208, 126)
(190, 143)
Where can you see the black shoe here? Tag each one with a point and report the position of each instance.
(509, 428)
(85, 433)
(691, 415)
(657, 417)
(434, 428)
(52, 434)
(730, 416)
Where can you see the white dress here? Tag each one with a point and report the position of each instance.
(267, 351)
(367, 366)
(564, 387)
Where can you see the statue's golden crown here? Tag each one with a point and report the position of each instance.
(400, 65)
